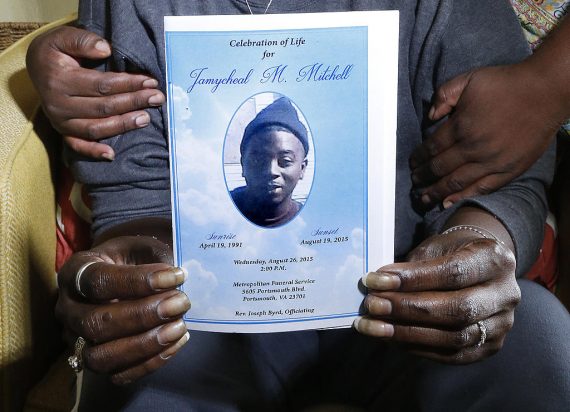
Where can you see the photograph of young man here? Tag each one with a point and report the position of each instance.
(273, 158)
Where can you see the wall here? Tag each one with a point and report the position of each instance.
(35, 10)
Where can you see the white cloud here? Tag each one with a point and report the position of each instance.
(181, 104)
(201, 283)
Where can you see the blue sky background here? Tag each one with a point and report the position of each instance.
(336, 114)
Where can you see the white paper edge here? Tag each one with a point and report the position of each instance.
(380, 231)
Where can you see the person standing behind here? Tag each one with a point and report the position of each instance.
(501, 119)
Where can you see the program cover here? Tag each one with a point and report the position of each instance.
(283, 151)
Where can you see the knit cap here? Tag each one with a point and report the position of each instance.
(279, 113)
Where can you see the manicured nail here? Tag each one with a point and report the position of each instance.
(378, 306)
(110, 156)
(431, 113)
(171, 332)
(373, 327)
(167, 279)
(156, 100)
(426, 199)
(150, 84)
(143, 120)
(381, 281)
(174, 348)
(103, 46)
(174, 306)
(356, 322)
(447, 204)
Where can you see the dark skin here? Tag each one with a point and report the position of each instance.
(273, 163)
(132, 315)
(429, 304)
(501, 121)
(86, 105)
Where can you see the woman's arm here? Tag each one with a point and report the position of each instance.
(501, 121)
(453, 300)
(125, 303)
(86, 105)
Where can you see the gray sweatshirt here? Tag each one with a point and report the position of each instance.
(439, 39)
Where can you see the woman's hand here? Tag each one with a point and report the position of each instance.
(86, 105)
(501, 121)
(437, 305)
(126, 308)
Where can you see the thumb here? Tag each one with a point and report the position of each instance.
(80, 43)
(447, 96)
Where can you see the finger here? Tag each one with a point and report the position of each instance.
(133, 250)
(441, 165)
(483, 185)
(442, 139)
(79, 43)
(468, 354)
(119, 268)
(127, 352)
(456, 181)
(426, 338)
(447, 96)
(443, 310)
(107, 322)
(476, 262)
(150, 365)
(93, 83)
(90, 149)
(105, 106)
(462, 357)
(103, 282)
(97, 129)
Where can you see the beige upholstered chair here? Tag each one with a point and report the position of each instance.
(32, 359)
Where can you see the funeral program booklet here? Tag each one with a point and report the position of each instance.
(283, 150)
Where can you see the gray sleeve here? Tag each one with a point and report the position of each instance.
(92, 16)
(474, 39)
(136, 184)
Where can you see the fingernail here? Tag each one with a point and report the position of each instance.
(166, 279)
(431, 113)
(110, 156)
(381, 281)
(426, 199)
(168, 353)
(356, 322)
(143, 120)
(171, 332)
(378, 306)
(150, 84)
(374, 327)
(447, 204)
(103, 46)
(156, 100)
(174, 306)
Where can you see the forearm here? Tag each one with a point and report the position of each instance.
(550, 66)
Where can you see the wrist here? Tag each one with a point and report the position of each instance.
(482, 232)
(478, 219)
(155, 227)
(548, 73)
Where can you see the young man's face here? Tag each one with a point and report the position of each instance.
(273, 162)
